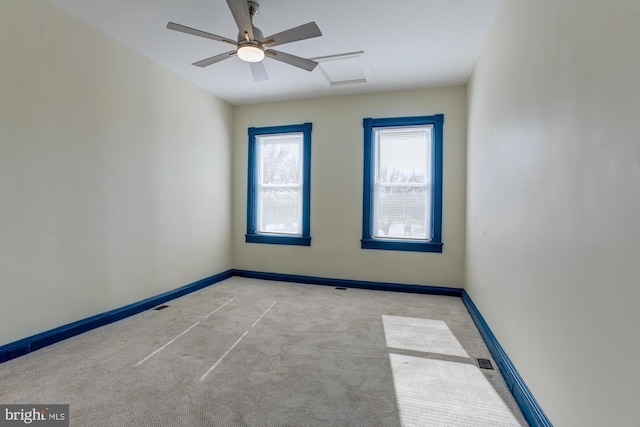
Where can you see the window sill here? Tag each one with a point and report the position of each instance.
(278, 239)
(401, 245)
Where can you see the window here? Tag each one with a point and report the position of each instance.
(402, 206)
(278, 186)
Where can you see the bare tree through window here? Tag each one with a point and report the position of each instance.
(280, 174)
(402, 188)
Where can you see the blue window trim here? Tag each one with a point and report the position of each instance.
(252, 235)
(370, 242)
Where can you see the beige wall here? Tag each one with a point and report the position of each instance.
(118, 180)
(336, 189)
(114, 174)
(554, 202)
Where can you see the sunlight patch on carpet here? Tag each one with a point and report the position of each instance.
(425, 335)
(438, 393)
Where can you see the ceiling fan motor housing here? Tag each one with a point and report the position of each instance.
(254, 8)
(257, 36)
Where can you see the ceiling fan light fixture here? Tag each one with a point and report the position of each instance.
(250, 53)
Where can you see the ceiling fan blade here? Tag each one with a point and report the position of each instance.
(296, 61)
(240, 12)
(199, 33)
(214, 59)
(258, 71)
(306, 31)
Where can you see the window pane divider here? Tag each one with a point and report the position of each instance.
(280, 185)
(404, 184)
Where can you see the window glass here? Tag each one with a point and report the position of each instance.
(402, 201)
(280, 178)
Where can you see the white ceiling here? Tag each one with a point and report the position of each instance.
(408, 44)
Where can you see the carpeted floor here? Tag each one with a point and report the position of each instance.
(258, 353)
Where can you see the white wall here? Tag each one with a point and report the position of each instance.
(553, 225)
(336, 189)
(114, 174)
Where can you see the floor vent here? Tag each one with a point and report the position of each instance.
(484, 364)
(161, 307)
(340, 288)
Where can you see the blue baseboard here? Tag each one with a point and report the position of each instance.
(359, 284)
(528, 404)
(38, 341)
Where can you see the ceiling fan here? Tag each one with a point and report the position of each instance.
(251, 45)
